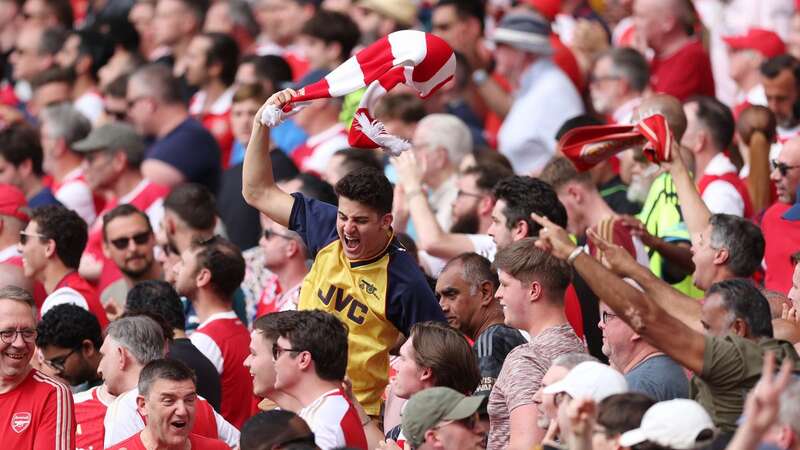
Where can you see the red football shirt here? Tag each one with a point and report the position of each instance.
(198, 443)
(38, 414)
(68, 286)
(683, 74)
(90, 411)
(782, 239)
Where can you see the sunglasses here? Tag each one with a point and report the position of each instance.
(269, 233)
(782, 168)
(140, 239)
(23, 237)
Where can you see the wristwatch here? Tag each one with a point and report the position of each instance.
(479, 77)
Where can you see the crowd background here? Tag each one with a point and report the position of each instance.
(174, 272)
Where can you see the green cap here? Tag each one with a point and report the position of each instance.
(113, 136)
(433, 405)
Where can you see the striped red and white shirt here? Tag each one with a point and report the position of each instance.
(334, 421)
(37, 414)
(90, 410)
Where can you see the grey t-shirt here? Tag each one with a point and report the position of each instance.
(659, 377)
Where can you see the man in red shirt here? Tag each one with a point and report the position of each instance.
(209, 273)
(167, 400)
(51, 247)
(781, 232)
(681, 66)
(36, 412)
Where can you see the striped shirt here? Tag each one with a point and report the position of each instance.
(334, 421)
(491, 347)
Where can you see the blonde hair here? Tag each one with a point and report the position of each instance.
(757, 130)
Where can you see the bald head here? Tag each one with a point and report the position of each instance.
(669, 107)
(11, 275)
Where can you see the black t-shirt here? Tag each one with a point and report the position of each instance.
(491, 347)
(193, 151)
(208, 384)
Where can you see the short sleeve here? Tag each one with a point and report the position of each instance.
(526, 379)
(484, 245)
(722, 198)
(723, 361)
(314, 221)
(410, 297)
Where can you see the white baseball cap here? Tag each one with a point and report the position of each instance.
(590, 379)
(675, 424)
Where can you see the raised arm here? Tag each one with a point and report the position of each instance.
(258, 184)
(695, 211)
(645, 317)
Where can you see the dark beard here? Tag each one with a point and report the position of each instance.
(466, 224)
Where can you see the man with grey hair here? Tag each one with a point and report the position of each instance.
(62, 126)
(523, 57)
(183, 150)
(131, 343)
(785, 431)
(619, 78)
(35, 51)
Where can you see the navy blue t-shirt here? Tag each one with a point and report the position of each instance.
(193, 151)
(43, 198)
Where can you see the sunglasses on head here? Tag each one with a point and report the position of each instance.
(123, 242)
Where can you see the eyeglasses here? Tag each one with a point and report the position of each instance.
(140, 239)
(9, 336)
(120, 116)
(23, 237)
(468, 194)
(608, 316)
(58, 362)
(269, 233)
(782, 168)
(277, 351)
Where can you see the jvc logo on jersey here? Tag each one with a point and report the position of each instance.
(20, 421)
(356, 311)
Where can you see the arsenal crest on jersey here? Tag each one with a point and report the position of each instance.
(20, 421)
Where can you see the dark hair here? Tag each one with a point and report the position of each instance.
(333, 27)
(52, 39)
(118, 87)
(225, 262)
(194, 204)
(163, 369)
(475, 269)
(583, 120)
(488, 175)
(744, 301)
(159, 81)
(54, 74)
(485, 156)
(276, 428)
(67, 326)
(20, 142)
(157, 297)
(120, 33)
(524, 195)
(62, 9)
(356, 158)
(268, 326)
(405, 107)
(66, 228)
(716, 119)
(527, 263)
(560, 171)
(198, 9)
(223, 51)
(619, 413)
(743, 239)
(321, 334)
(447, 353)
(631, 65)
(96, 46)
(772, 67)
(315, 187)
(368, 186)
(272, 68)
(124, 210)
(466, 9)
(250, 92)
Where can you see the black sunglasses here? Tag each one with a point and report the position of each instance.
(140, 239)
(269, 233)
(23, 237)
(782, 168)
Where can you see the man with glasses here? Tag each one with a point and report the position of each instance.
(779, 223)
(36, 411)
(128, 243)
(442, 418)
(286, 256)
(310, 362)
(51, 246)
(619, 78)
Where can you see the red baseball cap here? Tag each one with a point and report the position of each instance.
(763, 41)
(13, 202)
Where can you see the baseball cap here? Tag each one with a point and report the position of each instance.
(430, 406)
(13, 202)
(678, 424)
(524, 30)
(590, 379)
(766, 42)
(793, 213)
(403, 12)
(113, 136)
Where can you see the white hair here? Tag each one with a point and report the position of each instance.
(449, 132)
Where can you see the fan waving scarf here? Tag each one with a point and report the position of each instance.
(420, 60)
(588, 146)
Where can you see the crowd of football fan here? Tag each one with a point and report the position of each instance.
(177, 273)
